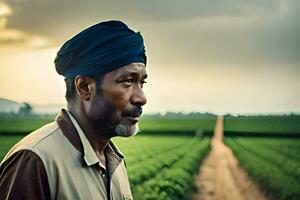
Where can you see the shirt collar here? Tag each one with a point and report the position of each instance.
(90, 156)
(113, 154)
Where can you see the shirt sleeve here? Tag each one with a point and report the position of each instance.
(23, 176)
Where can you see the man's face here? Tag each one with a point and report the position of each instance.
(118, 103)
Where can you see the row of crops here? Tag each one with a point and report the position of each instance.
(162, 167)
(273, 125)
(274, 163)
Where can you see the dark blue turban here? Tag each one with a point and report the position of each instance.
(99, 49)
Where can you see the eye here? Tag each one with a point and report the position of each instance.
(143, 82)
(128, 82)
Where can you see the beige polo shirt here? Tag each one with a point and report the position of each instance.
(54, 165)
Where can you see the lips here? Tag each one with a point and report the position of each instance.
(133, 114)
(133, 119)
(137, 112)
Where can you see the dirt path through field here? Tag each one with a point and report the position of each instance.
(220, 177)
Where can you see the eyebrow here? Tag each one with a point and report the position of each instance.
(132, 74)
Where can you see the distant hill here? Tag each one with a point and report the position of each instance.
(48, 109)
(9, 106)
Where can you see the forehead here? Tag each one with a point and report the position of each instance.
(133, 69)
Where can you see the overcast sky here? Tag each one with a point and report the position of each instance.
(237, 56)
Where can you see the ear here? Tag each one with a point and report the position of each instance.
(85, 87)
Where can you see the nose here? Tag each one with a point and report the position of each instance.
(138, 97)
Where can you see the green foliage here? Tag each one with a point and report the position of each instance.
(273, 163)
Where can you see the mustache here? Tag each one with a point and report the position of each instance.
(136, 111)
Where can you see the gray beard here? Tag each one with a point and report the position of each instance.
(126, 130)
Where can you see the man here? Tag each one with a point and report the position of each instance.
(73, 157)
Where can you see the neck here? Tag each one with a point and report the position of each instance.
(95, 134)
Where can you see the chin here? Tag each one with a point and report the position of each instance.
(126, 130)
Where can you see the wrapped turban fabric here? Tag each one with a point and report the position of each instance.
(99, 49)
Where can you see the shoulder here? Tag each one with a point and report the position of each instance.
(23, 160)
(25, 175)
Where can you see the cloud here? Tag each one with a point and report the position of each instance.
(269, 40)
(4, 10)
(225, 55)
(56, 17)
(224, 32)
(12, 39)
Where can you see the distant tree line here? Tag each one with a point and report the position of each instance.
(178, 115)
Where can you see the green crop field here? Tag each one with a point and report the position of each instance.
(263, 124)
(22, 125)
(6, 142)
(273, 163)
(204, 124)
(162, 166)
(268, 153)
(159, 167)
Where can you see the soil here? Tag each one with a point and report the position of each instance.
(220, 176)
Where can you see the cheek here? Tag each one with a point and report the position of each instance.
(95, 109)
(119, 99)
